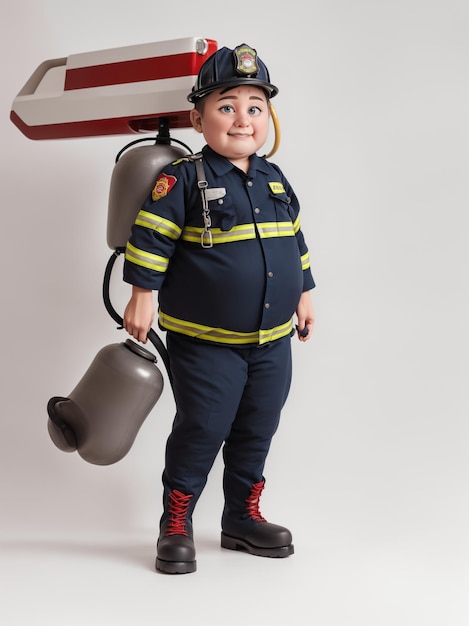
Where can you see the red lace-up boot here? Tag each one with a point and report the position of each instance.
(175, 548)
(252, 533)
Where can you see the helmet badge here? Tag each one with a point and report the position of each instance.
(246, 60)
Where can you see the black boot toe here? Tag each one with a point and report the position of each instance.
(176, 555)
(264, 539)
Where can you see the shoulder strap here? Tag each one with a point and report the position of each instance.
(202, 184)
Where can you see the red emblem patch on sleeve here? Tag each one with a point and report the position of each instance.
(163, 186)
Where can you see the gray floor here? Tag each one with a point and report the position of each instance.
(108, 579)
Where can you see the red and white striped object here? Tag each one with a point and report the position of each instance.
(111, 92)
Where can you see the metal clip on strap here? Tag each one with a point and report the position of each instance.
(206, 236)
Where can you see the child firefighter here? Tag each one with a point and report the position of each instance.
(219, 239)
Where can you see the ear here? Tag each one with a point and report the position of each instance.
(196, 120)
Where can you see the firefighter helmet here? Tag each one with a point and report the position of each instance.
(228, 68)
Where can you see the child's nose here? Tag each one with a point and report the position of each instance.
(242, 119)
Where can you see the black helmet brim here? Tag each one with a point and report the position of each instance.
(270, 90)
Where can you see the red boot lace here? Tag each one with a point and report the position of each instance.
(253, 502)
(178, 505)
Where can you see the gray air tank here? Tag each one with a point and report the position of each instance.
(133, 177)
(103, 414)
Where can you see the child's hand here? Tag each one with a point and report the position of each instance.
(139, 314)
(305, 315)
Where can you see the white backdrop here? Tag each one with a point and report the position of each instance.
(370, 465)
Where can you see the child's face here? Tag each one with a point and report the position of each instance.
(235, 123)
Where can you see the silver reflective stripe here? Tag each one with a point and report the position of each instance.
(221, 335)
(156, 222)
(145, 259)
(242, 232)
(237, 233)
(275, 229)
(305, 263)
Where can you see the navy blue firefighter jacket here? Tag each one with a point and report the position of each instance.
(244, 289)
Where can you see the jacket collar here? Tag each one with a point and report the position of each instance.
(221, 165)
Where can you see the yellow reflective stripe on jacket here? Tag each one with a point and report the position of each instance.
(145, 259)
(237, 233)
(296, 225)
(220, 335)
(305, 264)
(241, 232)
(275, 229)
(155, 222)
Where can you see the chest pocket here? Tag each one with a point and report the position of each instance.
(222, 213)
(282, 203)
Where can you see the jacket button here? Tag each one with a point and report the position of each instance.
(270, 274)
(267, 305)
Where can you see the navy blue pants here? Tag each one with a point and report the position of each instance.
(224, 395)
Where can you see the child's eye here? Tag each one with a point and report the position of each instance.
(227, 108)
(254, 111)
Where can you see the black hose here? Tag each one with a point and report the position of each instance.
(161, 138)
(152, 335)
